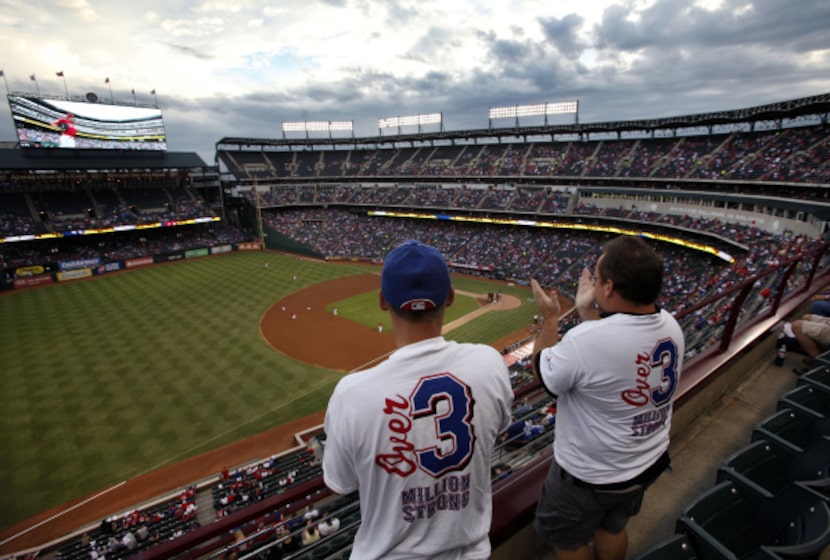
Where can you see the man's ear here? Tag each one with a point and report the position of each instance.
(607, 287)
(384, 305)
(450, 297)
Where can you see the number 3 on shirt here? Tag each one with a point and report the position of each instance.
(452, 428)
(665, 357)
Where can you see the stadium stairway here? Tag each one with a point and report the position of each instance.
(205, 513)
(715, 434)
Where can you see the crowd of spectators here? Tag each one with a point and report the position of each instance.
(506, 199)
(556, 258)
(797, 154)
(243, 486)
(114, 247)
(103, 206)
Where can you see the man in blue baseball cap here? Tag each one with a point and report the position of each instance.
(414, 434)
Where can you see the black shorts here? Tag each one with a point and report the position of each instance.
(568, 515)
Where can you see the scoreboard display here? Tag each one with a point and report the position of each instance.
(53, 123)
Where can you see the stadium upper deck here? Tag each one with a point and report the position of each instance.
(785, 142)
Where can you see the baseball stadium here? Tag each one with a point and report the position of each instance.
(173, 329)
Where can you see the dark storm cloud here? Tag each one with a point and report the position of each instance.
(432, 45)
(673, 60)
(795, 26)
(508, 52)
(563, 34)
(538, 65)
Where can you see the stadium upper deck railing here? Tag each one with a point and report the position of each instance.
(739, 316)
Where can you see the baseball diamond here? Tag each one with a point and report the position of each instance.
(344, 347)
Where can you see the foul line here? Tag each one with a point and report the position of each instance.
(372, 361)
(64, 512)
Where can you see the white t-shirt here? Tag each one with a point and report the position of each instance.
(415, 436)
(615, 379)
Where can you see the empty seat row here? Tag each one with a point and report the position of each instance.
(771, 499)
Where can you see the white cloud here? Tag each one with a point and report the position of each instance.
(81, 7)
(354, 59)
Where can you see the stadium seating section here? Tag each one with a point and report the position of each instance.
(771, 499)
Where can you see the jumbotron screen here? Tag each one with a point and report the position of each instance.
(53, 123)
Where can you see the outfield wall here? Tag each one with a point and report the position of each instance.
(77, 269)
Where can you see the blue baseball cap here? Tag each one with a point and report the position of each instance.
(415, 277)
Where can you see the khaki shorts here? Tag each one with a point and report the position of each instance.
(817, 328)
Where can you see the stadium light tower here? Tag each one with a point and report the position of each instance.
(317, 126)
(536, 110)
(419, 120)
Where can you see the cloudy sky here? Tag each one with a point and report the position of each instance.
(242, 67)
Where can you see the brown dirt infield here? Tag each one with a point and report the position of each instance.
(315, 337)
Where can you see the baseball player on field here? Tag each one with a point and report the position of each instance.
(414, 434)
(615, 376)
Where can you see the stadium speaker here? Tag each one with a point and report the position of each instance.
(91, 97)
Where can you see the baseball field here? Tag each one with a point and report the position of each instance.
(107, 379)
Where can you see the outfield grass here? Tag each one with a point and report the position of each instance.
(108, 378)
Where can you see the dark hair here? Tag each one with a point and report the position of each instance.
(634, 267)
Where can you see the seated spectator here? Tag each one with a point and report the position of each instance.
(531, 429)
(311, 513)
(129, 541)
(501, 471)
(820, 305)
(328, 525)
(813, 334)
(310, 533)
(290, 543)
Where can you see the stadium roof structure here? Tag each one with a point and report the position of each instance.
(817, 105)
(42, 159)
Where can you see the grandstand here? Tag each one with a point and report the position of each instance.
(736, 201)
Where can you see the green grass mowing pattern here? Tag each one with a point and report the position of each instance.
(364, 309)
(497, 324)
(109, 378)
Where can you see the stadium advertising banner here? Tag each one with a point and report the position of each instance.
(55, 123)
(32, 282)
(74, 274)
(78, 263)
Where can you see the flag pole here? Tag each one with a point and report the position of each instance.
(107, 81)
(156, 98)
(135, 102)
(34, 79)
(65, 87)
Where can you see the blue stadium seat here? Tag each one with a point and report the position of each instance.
(817, 376)
(791, 428)
(808, 398)
(824, 356)
(767, 468)
(677, 547)
(730, 523)
(812, 466)
(761, 467)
